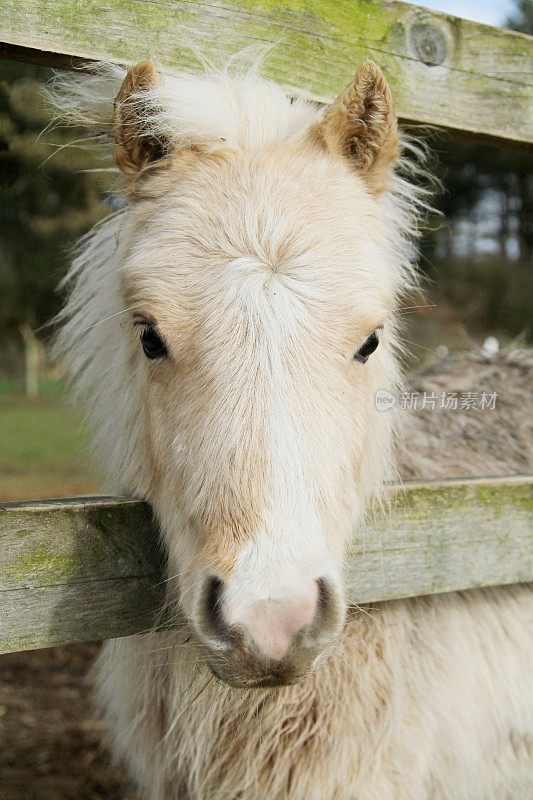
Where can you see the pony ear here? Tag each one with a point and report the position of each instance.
(361, 126)
(136, 147)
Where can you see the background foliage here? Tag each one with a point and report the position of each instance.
(45, 202)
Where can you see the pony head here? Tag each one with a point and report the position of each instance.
(230, 329)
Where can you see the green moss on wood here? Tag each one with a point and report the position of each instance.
(49, 567)
(482, 86)
(422, 502)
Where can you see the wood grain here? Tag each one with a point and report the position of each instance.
(444, 71)
(441, 537)
(77, 570)
(92, 568)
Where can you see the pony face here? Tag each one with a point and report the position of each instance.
(258, 275)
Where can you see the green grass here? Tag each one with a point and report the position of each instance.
(14, 387)
(43, 449)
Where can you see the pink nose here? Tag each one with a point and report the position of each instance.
(253, 640)
(273, 623)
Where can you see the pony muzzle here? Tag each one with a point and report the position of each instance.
(270, 641)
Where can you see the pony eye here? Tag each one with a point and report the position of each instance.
(364, 352)
(152, 343)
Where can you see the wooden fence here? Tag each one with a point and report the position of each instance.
(89, 568)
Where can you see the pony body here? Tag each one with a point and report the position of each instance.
(425, 698)
(229, 331)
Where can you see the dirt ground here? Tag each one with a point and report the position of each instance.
(50, 746)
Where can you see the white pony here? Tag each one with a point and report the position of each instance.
(228, 332)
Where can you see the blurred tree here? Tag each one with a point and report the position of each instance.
(522, 20)
(522, 17)
(480, 256)
(46, 201)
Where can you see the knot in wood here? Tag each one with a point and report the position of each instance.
(428, 43)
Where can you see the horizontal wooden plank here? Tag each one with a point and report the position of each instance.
(69, 541)
(77, 570)
(92, 568)
(444, 71)
(441, 537)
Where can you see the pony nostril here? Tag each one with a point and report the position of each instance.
(212, 622)
(328, 608)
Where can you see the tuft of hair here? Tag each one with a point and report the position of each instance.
(233, 107)
(229, 108)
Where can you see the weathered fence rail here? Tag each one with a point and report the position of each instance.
(75, 570)
(444, 71)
